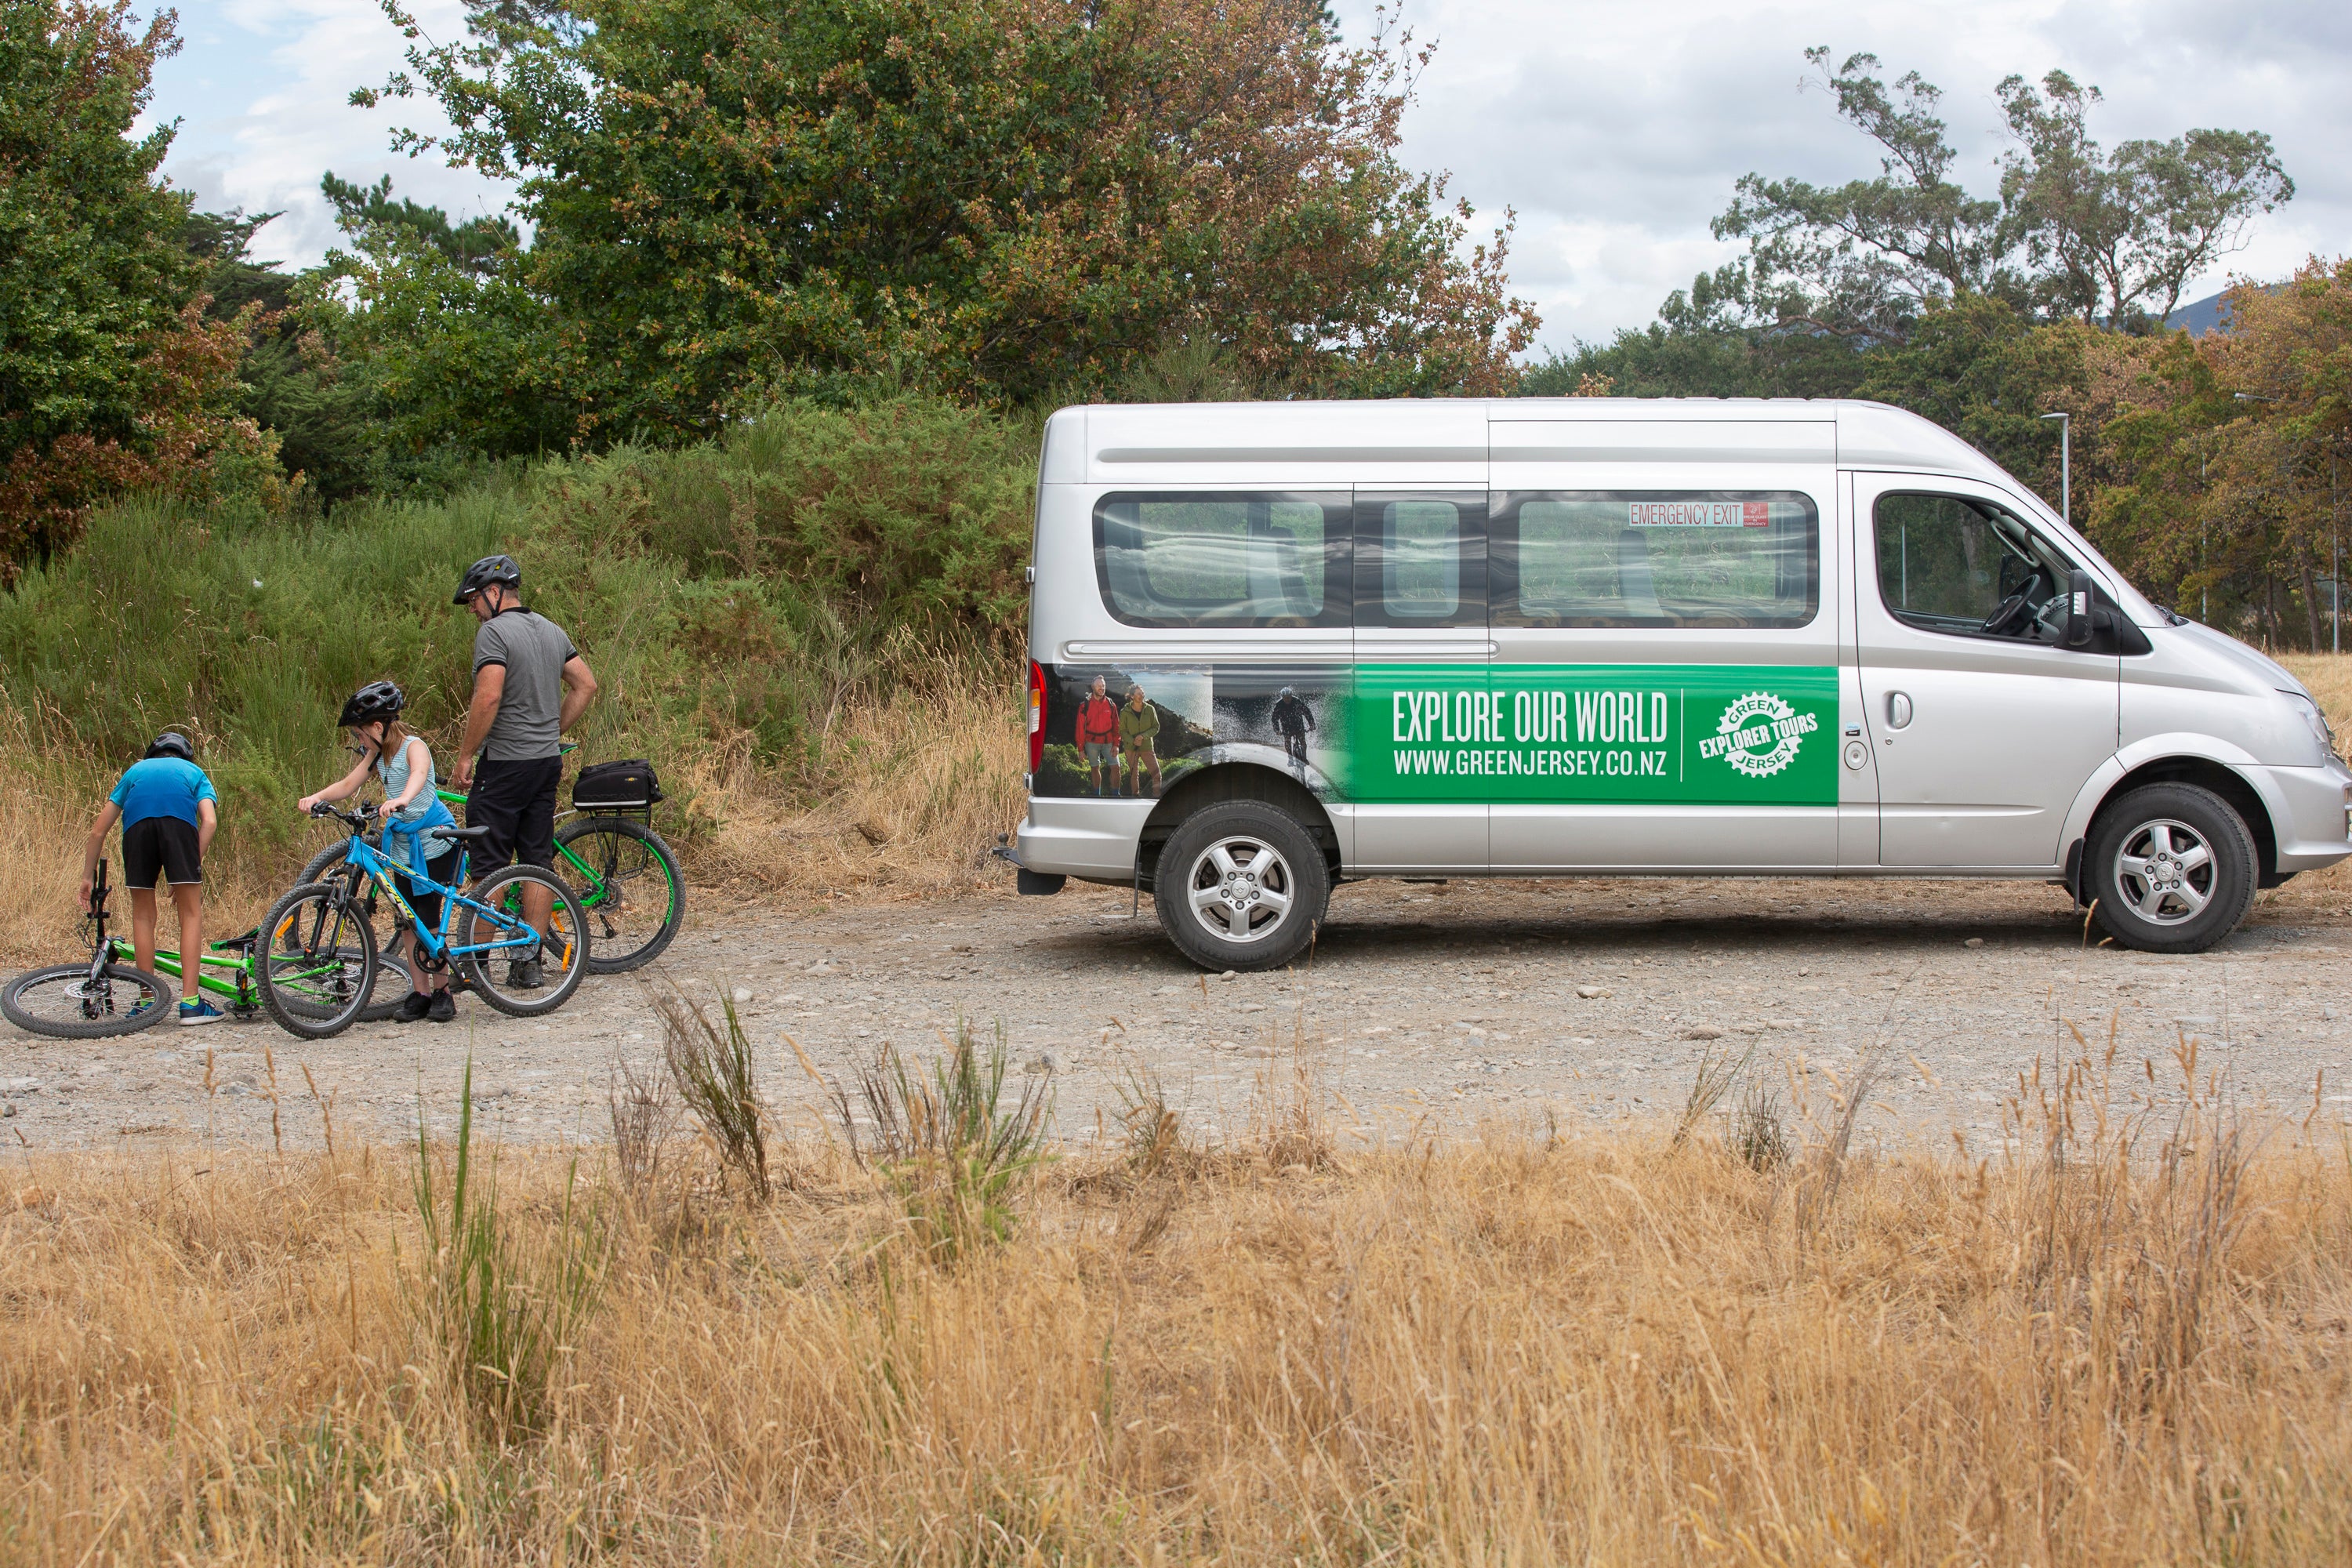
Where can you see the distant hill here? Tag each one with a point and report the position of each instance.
(2202, 316)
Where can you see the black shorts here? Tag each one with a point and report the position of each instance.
(161, 846)
(441, 868)
(516, 801)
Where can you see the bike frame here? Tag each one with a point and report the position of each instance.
(222, 955)
(364, 857)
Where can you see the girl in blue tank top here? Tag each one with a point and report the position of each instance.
(414, 819)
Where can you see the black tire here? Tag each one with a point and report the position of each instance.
(563, 954)
(2171, 868)
(645, 900)
(1241, 884)
(315, 964)
(394, 945)
(56, 1002)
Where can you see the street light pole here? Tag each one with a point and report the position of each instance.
(2065, 466)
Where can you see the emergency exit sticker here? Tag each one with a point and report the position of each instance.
(1699, 513)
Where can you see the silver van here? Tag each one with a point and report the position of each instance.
(1276, 645)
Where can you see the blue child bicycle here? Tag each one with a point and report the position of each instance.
(317, 961)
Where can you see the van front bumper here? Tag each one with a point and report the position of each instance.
(2311, 812)
(1083, 838)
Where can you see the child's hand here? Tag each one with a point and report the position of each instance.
(84, 907)
(306, 802)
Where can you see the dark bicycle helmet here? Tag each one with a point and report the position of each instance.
(376, 699)
(489, 569)
(170, 743)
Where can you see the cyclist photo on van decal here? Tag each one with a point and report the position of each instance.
(1293, 721)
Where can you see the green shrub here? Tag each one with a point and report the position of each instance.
(727, 594)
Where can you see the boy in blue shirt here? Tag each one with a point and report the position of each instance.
(168, 809)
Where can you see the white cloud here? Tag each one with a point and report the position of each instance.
(262, 91)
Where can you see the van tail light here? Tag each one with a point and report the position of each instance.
(1036, 716)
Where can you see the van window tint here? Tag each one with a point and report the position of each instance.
(1699, 560)
(1224, 560)
(1966, 567)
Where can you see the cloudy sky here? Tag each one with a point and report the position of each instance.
(1614, 130)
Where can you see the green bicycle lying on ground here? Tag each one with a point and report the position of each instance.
(94, 998)
(316, 963)
(622, 874)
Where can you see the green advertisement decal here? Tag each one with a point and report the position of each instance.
(1564, 734)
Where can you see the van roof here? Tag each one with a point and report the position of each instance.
(1856, 433)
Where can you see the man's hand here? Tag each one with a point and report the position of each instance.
(462, 778)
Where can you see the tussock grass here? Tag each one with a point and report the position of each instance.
(2122, 1341)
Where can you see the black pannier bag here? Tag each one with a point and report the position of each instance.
(616, 786)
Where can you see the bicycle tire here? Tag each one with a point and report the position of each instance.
(13, 1003)
(624, 840)
(566, 919)
(307, 997)
(394, 972)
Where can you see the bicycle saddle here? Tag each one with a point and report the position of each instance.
(469, 835)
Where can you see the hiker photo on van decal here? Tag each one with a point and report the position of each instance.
(1292, 719)
(1123, 733)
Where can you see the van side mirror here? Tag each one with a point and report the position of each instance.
(2078, 610)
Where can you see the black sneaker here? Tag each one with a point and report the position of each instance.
(524, 975)
(443, 1007)
(413, 1006)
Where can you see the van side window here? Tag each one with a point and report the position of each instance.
(1686, 559)
(1267, 558)
(1420, 560)
(1967, 568)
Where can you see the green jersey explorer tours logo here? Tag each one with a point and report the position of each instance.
(1759, 735)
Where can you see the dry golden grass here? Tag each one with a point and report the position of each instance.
(2129, 1342)
(915, 785)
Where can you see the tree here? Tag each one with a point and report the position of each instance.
(110, 375)
(2075, 231)
(2237, 462)
(2108, 234)
(1007, 199)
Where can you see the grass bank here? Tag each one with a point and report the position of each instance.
(2121, 1341)
(802, 626)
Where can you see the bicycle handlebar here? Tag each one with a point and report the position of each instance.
(356, 821)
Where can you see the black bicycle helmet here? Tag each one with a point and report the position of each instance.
(376, 699)
(170, 743)
(489, 569)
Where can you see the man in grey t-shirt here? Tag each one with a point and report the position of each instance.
(529, 684)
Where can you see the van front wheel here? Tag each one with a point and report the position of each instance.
(2172, 868)
(1241, 886)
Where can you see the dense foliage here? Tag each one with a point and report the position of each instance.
(111, 375)
(1000, 198)
(728, 593)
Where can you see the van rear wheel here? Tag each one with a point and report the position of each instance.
(2173, 868)
(1241, 884)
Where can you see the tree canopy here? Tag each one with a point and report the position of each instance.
(111, 376)
(1000, 198)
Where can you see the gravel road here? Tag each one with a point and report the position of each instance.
(1438, 1005)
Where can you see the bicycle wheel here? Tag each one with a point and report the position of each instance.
(315, 964)
(628, 882)
(63, 1001)
(393, 945)
(562, 953)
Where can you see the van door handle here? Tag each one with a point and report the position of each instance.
(1898, 710)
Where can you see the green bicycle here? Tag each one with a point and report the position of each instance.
(624, 876)
(225, 973)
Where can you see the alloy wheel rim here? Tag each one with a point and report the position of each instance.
(1241, 891)
(2166, 871)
